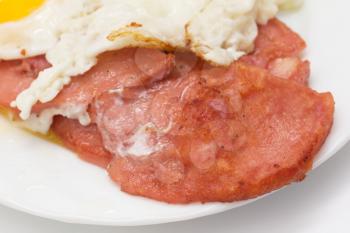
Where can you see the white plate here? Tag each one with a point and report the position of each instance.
(46, 180)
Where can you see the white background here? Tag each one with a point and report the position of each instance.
(321, 204)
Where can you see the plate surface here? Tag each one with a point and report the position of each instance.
(46, 180)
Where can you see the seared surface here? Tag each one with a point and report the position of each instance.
(176, 129)
(247, 135)
(86, 141)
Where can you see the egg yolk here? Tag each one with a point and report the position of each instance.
(12, 10)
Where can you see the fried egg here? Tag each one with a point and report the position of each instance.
(14, 10)
(73, 33)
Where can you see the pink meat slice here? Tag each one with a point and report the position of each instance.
(213, 135)
(129, 67)
(123, 68)
(277, 48)
(86, 141)
(17, 75)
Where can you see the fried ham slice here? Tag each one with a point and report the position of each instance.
(86, 141)
(206, 141)
(128, 67)
(176, 129)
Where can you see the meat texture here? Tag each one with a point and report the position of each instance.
(277, 48)
(86, 141)
(197, 139)
(174, 128)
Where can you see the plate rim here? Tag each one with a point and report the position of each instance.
(197, 214)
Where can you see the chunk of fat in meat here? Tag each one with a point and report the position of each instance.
(291, 68)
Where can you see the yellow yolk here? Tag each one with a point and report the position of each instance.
(11, 10)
